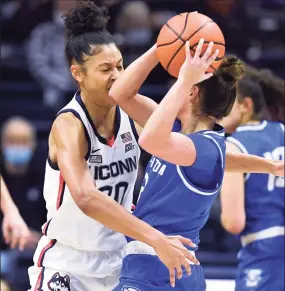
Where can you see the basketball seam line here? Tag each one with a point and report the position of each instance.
(179, 36)
(201, 27)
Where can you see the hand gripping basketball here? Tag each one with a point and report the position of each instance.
(190, 26)
(194, 68)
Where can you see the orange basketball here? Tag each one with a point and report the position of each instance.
(188, 27)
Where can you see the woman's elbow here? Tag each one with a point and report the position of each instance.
(233, 225)
(147, 142)
(118, 94)
(113, 94)
(85, 200)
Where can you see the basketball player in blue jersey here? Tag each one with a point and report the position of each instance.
(91, 171)
(253, 205)
(185, 173)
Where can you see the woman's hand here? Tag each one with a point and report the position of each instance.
(194, 68)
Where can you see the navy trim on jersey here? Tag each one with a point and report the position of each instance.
(45, 229)
(54, 166)
(49, 246)
(117, 120)
(40, 280)
(134, 130)
(218, 130)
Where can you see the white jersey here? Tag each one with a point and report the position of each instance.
(114, 169)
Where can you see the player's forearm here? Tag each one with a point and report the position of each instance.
(159, 126)
(6, 200)
(105, 210)
(244, 163)
(129, 83)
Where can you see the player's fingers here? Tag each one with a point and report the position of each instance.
(191, 257)
(187, 51)
(212, 58)
(6, 234)
(186, 241)
(208, 52)
(178, 269)
(199, 49)
(186, 266)
(23, 241)
(172, 275)
(15, 236)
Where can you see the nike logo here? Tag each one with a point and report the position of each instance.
(94, 151)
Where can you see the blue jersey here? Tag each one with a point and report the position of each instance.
(263, 236)
(264, 194)
(177, 200)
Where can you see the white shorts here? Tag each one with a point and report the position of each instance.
(60, 267)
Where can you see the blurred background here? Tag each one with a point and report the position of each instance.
(36, 83)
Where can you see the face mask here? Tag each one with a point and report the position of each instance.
(17, 155)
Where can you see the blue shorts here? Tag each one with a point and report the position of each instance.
(262, 276)
(148, 273)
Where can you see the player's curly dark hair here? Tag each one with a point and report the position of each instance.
(219, 92)
(86, 25)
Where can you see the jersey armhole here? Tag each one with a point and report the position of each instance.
(134, 130)
(54, 166)
(190, 185)
(242, 148)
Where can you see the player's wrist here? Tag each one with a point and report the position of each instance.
(272, 167)
(185, 85)
(10, 209)
(152, 58)
(155, 238)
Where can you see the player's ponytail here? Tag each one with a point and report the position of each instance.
(219, 92)
(86, 26)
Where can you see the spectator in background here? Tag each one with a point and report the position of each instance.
(18, 18)
(231, 17)
(46, 60)
(133, 29)
(24, 175)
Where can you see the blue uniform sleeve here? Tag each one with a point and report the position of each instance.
(207, 169)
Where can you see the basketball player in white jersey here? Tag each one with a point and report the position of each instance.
(14, 229)
(90, 174)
